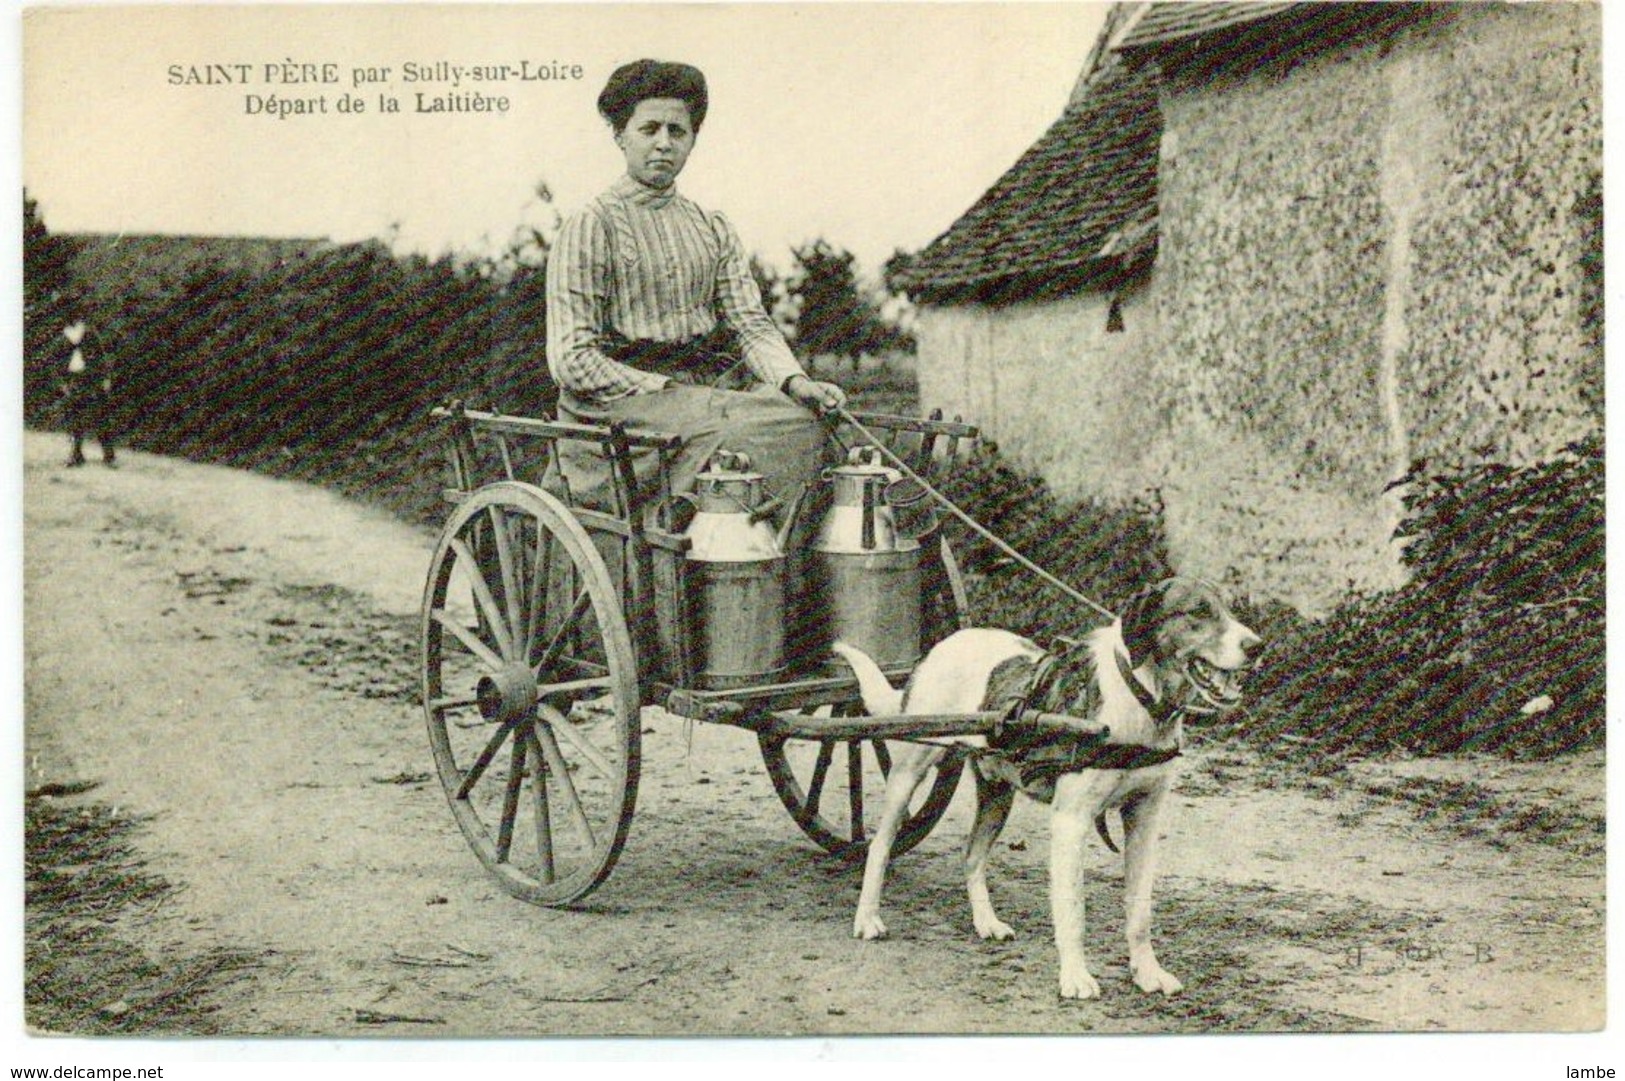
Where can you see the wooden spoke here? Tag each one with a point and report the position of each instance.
(544, 816)
(477, 770)
(560, 772)
(541, 579)
(573, 686)
(511, 590)
(558, 722)
(483, 597)
(555, 646)
(453, 701)
(883, 756)
(854, 788)
(468, 638)
(815, 787)
(510, 801)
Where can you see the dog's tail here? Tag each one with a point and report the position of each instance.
(1105, 833)
(880, 698)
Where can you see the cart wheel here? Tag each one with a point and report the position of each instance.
(806, 772)
(531, 694)
(833, 789)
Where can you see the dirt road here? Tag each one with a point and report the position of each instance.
(235, 656)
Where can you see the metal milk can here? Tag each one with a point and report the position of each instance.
(868, 574)
(737, 564)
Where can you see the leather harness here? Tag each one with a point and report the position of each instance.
(1043, 754)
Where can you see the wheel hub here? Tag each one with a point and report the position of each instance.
(507, 694)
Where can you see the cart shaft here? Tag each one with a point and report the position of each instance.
(895, 726)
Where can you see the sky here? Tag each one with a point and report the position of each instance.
(871, 125)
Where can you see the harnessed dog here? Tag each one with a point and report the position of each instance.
(1177, 650)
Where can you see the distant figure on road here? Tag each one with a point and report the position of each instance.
(87, 392)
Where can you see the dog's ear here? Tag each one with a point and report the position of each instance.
(1140, 621)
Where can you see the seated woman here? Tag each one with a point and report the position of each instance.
(654, 319)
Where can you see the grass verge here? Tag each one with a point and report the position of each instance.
(83, 975)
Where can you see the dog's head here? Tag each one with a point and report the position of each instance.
(1184, 628)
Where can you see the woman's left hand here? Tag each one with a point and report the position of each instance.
(817, 396)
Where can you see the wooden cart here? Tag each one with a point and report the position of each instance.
(547, 627)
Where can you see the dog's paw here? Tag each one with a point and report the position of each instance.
(868, 925)
(1153, 978)
(1078, 983)
(991, 926)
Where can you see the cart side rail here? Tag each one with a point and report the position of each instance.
(551, 429)
(922, 442)
(644, 562)
(467, 428)
(919, 440)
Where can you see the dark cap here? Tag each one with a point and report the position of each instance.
(645, 79)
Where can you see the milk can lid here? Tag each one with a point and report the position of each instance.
(728, 465)
(865, 461)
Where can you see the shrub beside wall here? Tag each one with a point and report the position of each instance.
(1495, 644)
(1106, 551)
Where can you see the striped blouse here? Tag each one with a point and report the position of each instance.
(650, 264)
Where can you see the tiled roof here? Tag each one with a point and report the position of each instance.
(1086, 191)
(1160, 24)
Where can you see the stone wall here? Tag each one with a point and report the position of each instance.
(1369, 253)
(1046, 381)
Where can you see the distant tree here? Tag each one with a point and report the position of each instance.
(46, 271)
(898, 306)
(518, 380)
(836, 317)
(48, 294)
(772, 287)
(532, 237)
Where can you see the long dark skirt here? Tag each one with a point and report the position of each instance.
(785, 442)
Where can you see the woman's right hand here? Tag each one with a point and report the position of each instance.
(818, 396)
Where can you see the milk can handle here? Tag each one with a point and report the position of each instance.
(763, 510)
(663, 512)
(868, 517)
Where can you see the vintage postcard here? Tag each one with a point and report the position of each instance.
(490, 473)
